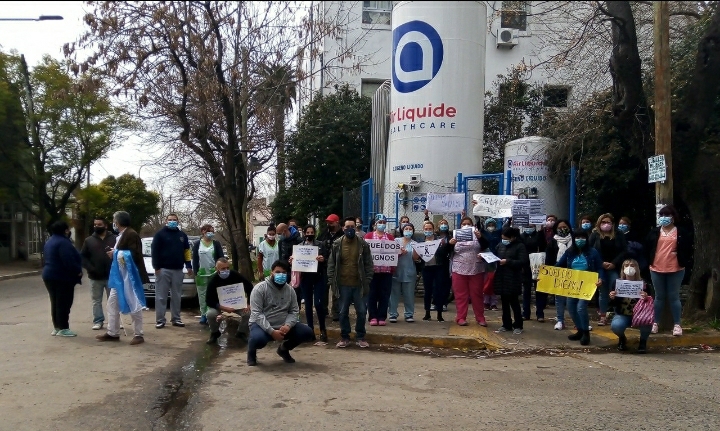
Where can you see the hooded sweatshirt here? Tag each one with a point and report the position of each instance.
(272, 307)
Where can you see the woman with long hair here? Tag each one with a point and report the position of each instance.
(381, 283)
(556, 248)
(624, 308)
(405, 276)
(468, 274)
(509, 278)
(612, 247)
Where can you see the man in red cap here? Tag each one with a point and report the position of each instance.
(332, 233)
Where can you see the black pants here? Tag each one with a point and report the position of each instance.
(540, 299)
(313, 286)
(61, 294)
(511, 302)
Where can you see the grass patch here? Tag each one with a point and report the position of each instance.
(715, 323)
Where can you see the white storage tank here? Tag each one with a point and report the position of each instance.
(526, 160)
(437, 94)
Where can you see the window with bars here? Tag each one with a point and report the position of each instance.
(368, 87)
(377, 12)
(514, 14)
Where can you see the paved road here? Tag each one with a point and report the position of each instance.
(175, 382)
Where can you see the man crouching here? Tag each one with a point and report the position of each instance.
(224, 276)
(274, 315)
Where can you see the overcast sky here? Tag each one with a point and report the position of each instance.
(37, 38)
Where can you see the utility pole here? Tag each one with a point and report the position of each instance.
(663, 121)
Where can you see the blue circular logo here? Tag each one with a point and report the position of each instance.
(417, 56)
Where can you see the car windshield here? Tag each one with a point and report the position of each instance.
(146, 245)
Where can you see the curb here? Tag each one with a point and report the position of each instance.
(20, 275)
(662, 340)
(444, 341)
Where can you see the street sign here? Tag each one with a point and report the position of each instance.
(657, 170)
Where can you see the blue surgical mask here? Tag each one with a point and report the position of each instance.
(350, 232)
(380, 227)
(210, 235)
(664, 220)
(115, 227)
(172, 224)
(428, 233)
(407, 233)
(224, 274)
(529, 231)
(623, 228)
(506, 241)
(580, 242)
(280, 278)
(444, 227)
(586, 226)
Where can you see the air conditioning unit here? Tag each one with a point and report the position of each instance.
(415, 180)
(507, 37)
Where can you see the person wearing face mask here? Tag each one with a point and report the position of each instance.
(580, 256)
(556, 248)
(170, 250)
(534, 243)
(381, 284)
(405, 277)
(398, 231)
(493, 236)
(312, 285)
(331, 234)
(287, 237)
(205, 253)
(224, 276)
(624, 308)
(509, 277)
(635, 248)
(442, 257)
(268, 253)
(433, 275)
(468, 274)
(549, 228)
(612, 247)
(61, 272)
(274, 315)
(586, 223)
(97, 263)
(669, 250)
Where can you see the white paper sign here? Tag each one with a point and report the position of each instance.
(628, 289)
(384, 252)
(657, 169)
(426, 250)
(305, 258)
(446, 203)
(496, 206)
(489, 257)
(464, 235)
(536, 261)
(232, 296)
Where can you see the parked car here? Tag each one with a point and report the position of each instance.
(189, 290)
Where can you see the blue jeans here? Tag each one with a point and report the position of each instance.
(667, 288)
(352, 295)
(407, 290)
(313, 287)
(298, 334)
(621, 322)
(560, 303)
(608, 282)
(578, 309)
(97, 288)
(379, 295)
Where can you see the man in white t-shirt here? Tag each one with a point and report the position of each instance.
(268, 252)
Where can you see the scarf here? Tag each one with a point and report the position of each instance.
(125, 279)
(563, 244)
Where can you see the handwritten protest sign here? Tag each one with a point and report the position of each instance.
(536, 261)
(464, 235)
(446, 203)
(497, 206)
(426, 250)
(489, 257)
(305, 258)
(628, 289)
(384, 252)
(232, 296)
(567, 282)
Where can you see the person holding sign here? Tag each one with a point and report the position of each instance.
(624, 307)
(444, 234)
(581, 257)
(381, 284)
(556, 248)
(535, 244)
(312, 285)
(468, 274)
(204, 255)
(612, 247)
(509, 277)
(224, 276)
(491, 233)
(432, 274)
(405, 276)
(274, 316)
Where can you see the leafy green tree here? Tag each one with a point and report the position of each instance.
(13, 135)
(329, 151)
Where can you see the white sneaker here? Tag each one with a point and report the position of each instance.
(677, 331)
(517, 331)
(97, 326)
(654, 329)
(559, 326)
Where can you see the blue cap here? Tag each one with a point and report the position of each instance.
(380, 217)
(489, 220)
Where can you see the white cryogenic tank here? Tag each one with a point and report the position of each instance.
(438, 91)
(526, 160)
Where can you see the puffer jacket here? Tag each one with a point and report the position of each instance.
(509, 277)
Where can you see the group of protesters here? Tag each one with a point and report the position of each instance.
(490, 261)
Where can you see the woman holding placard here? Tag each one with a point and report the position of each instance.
(581, 257)
(612, 246)
(444, 234)
(313, 285)
(624, 306)
(405, 276)
(432, 274)
(557, 246)
(509, 278)
(381, 283)
(468, 273)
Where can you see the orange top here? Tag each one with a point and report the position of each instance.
(666, 253)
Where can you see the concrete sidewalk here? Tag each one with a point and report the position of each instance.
(18, 269)
(535, 336)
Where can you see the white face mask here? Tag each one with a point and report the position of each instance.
(629, 271)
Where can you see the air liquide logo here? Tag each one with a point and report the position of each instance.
(417, 55)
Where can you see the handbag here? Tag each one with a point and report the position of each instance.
(643, 312)
(295, 279)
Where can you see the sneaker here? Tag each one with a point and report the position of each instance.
(462, 323)
(97, 326)
(159, 325)
(501, 329)
(137, 340)
(654, 329)
(409, 320)
(677, 331)
(69, 333)
(393, 319)
(203, 320)
(541, 320)
(178, 323)
(382, 323)
(487, 307)
(482, 323)
(559, 326)
(444, 307)
(54, 332)
(432, 308)
(517, 331)
(493, 308)
(362, 343)
(343, 343)
(107, 337)
(373, 322)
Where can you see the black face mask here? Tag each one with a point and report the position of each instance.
(100, 230)
(310, 238)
